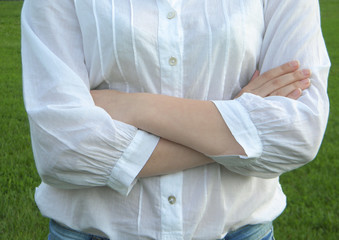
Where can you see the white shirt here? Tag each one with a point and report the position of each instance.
(192, 49)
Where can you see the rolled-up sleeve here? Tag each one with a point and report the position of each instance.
(75, 143)
(280, 134)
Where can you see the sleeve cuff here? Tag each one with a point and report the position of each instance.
(243, 130)
(123, 175)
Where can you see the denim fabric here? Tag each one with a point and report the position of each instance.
(252, 232)
(248, 232)
(58, 232)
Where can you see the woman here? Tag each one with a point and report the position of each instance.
(134, 130)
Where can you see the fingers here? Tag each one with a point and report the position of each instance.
(295, 94)
(278, 85)
(281, 70)
(291, 77)
(293, 90)
(286, 80)
(275, 73)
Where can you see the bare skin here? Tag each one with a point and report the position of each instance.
(189, 129)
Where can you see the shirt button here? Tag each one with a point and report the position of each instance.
(171, 15)
(172, 61)
(172, 199)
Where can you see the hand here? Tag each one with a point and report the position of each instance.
(286, 81)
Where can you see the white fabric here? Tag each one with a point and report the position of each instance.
(88, 162)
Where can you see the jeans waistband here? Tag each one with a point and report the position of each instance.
(58, 232)
(252, 232)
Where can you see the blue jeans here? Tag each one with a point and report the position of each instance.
(252, 232)
(248, 232)
(58, 232)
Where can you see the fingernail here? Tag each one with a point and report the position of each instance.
(305, 81)
(306, 72)
(296, 93)
(294, 63)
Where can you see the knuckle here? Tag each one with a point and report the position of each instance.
(268, 75)
(288, 67)
(276, 83)
(265, 75)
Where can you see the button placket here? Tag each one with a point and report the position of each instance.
(169, 50)
(169, 36)
(172, 61)
(171, 207)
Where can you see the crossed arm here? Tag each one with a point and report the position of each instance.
(191, 129)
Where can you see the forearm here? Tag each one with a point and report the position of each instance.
(169, 157)
(193, 123)
(193, 128)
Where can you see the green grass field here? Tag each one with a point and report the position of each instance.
(312, 191)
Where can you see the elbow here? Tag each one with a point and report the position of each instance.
(275, 159)
(47, 172)
(295, 151)
(59, 172)
(283, 154)
(308, 139)
(54, 162)
(287, 142)
(47, 177)
(309, 149)
(47, 168)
